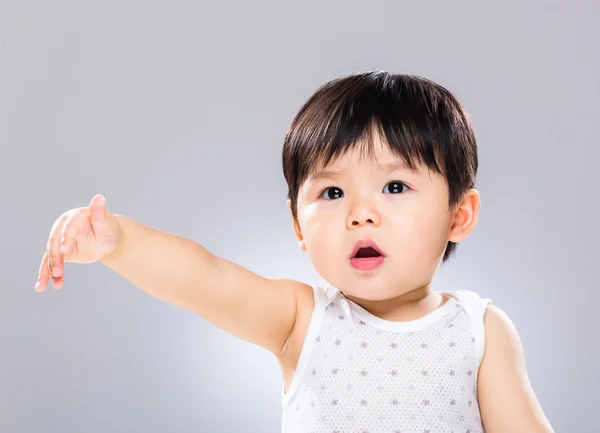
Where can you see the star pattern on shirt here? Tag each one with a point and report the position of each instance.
(401, 357)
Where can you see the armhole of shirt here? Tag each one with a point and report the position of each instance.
(479, 331)
(478, 309)
(314, 326)
(475, 308)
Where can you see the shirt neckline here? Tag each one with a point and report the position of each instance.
(407, 326)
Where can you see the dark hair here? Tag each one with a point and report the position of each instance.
(420, 120)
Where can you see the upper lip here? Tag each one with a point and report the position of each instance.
(365, 243)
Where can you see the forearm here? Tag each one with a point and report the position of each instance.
(169, 267)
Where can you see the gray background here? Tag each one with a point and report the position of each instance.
(176, 112)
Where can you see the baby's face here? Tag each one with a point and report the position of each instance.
(405, 213)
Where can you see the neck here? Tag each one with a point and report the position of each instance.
(408, 306)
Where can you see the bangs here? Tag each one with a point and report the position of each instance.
(413, 116)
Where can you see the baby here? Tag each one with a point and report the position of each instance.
(380, 170)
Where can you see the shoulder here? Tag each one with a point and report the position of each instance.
(503, 346)
(501, 335)
(498, 326)
(506, 398)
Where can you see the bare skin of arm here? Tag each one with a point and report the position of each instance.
(181, 272)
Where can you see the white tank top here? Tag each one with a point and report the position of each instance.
(359, 373)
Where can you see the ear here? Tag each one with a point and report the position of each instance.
(296, 227)
(465, 216)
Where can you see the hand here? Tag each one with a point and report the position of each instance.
(81, 235)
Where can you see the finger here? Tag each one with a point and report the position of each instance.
(58, 282)
(43, 274)
(55, 280)
(53, 248)
(73, 228)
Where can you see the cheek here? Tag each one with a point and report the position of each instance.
(322, 235)
(422, 233)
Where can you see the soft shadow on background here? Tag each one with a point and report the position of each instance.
(176, 112)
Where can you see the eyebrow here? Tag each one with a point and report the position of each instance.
(389, 167)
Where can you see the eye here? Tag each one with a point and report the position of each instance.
(395, 187)
(332, 193)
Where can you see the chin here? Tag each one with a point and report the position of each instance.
(368, 291)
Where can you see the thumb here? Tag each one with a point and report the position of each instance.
(97, 211)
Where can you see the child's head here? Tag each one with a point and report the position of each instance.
(340, 192)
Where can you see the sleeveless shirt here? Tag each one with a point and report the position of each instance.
(359, 373)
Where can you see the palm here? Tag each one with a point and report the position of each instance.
(91, 247)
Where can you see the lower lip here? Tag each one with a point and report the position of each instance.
(367, 263)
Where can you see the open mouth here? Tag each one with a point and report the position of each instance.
(364, 253)
(366, 248)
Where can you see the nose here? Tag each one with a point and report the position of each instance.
(363, 215)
